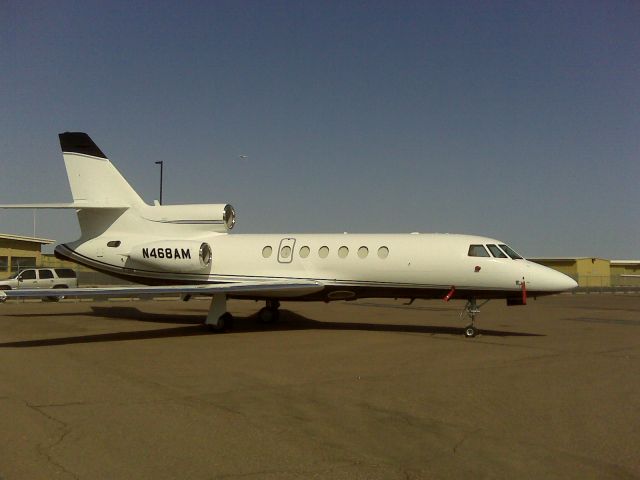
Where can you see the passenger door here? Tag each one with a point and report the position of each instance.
(285, 252)
(45, 279)
(28, 279)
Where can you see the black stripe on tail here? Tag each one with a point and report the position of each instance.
(79, 142)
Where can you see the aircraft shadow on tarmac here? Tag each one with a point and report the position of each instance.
(193, 325)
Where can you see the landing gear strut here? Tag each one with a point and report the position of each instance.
(471, 309)
(270, 313)
(218, 319)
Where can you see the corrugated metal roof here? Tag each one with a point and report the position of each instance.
(20, 238)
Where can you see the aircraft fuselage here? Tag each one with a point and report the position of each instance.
(349, 265)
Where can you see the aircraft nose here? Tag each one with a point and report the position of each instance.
(557, 281)
(566, 282)
(549, 280)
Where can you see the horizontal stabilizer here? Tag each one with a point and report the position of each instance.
(63, 206)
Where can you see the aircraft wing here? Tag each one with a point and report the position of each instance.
(280, 288)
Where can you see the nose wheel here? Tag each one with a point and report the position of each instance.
(470, 331)
(471, 309)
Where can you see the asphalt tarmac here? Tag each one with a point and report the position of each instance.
(349, 390)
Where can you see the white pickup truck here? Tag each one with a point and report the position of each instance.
(41, 278)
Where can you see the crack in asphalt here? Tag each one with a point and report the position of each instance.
(464, 439)
(45, 450)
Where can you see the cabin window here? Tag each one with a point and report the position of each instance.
(363, 252)
(267, 251)
(478, 251)
(383, 252)
(495, 251)
(285, 252)
(114, 243)
(304, 252)
(343, 252)
(509, 251)
(323, 252)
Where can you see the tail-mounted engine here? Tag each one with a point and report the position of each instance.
(180, 256)
(215, 217)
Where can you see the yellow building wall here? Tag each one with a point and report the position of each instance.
(566, 267)
(594, 272)
(50, 261)
(618, 270)
(16, 248)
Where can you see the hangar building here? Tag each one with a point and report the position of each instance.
(592, 272)
(18, 252)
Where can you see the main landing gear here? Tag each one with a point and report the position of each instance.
(270, 313)
(471, 309)
(220, 320)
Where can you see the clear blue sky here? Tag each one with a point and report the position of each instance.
(517, 120)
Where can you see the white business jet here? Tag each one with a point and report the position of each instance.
(188, 250)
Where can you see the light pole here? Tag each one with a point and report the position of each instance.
(161, 163)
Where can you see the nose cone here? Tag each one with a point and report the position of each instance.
(564, 282)
(546, 279)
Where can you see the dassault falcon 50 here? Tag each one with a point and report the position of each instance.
(189, 250)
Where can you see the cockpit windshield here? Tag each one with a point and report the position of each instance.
(495, 251)
(478, 251)
(509, 251)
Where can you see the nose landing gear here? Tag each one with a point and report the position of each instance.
(471, 309)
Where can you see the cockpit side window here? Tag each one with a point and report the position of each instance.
(478, 251)
(509, 251)
(495, 251)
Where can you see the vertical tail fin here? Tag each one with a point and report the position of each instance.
(93, 179)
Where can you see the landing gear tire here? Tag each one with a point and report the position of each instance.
(470, 331)
(471, 309)
(268, 315)
(225, 323)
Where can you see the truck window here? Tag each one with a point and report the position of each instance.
(45, 274)
(28, 275)
(65, 273)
